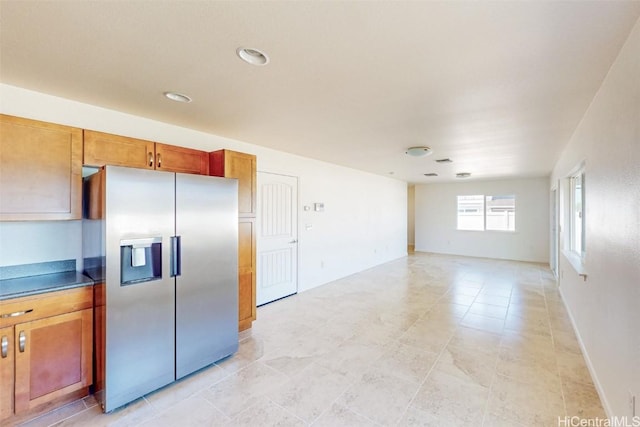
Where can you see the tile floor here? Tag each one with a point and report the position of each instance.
(427, 340)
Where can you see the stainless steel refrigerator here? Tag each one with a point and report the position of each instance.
(168, 305)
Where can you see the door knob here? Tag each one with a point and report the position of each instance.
(293, 241)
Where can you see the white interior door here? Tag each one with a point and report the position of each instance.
(277, 237)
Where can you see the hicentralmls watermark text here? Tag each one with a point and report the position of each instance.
(598, 422)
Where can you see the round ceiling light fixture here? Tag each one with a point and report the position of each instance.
(463, 175)
(178, 97)
(419, 151)
(252, 56)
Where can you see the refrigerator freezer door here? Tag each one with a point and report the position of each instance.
(139, 317)
(207, 290)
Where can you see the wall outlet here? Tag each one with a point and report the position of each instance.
(632, 404)
(321, 264)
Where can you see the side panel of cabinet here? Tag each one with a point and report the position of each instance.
(53, 358)
(179, 159)
(246, 272)
(105, 149)
(6, 373)
(232, 164)
(40, 170)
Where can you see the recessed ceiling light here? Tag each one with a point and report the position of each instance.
(252, 56)
(447, 160)
(418, 151)
(178, 97)
(431, 174)
(463, 175)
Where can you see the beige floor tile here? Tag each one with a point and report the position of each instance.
(266, 413)
(450, 310)
(497, 289)
(529, 404)
(132, 414)
(352, 357)
(414, 417)
(427, 339)
(582, 400)
(186, 387)
(473, 339)
(339, 415)
(452, 400)
(492, 420)
(488, 310)
(380, 396)
(573, 367)
(468, 364)
(249, 350)
(493, 300)
(191, 412)
(244, 388)
(483, 323)
(566, 342)
(57, 415)
(311, 392)
(406, 362)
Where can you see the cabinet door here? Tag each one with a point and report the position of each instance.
(6, 373)
(179, 159)
(232, 164)
(53, 357)
(246, 272)
(40, 170)
(105, 149)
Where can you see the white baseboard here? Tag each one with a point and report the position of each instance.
(585, 354)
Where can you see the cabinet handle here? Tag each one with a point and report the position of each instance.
(5, 347)
(15, 314)
(159, 158)
(22, 341)
(150, 159)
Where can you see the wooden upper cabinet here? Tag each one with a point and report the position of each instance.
(232, 164)
(105, 149)
(180, 159)
(40, 170)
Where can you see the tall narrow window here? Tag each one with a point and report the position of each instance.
(577, 213)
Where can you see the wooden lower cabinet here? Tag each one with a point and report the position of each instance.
(6, 373)
(246, 272)
(49, 351)
(55, 359)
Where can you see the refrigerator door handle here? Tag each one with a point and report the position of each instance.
(176, 255)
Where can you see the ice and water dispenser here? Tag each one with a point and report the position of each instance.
(140, 260)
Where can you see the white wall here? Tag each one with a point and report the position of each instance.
(365, 217)
(436, 220)
(605, 308)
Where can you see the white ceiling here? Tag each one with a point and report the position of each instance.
(498, 87)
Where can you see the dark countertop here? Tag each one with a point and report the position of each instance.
(33, 285)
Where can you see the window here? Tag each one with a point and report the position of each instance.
(493, 213)
(577, 213)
